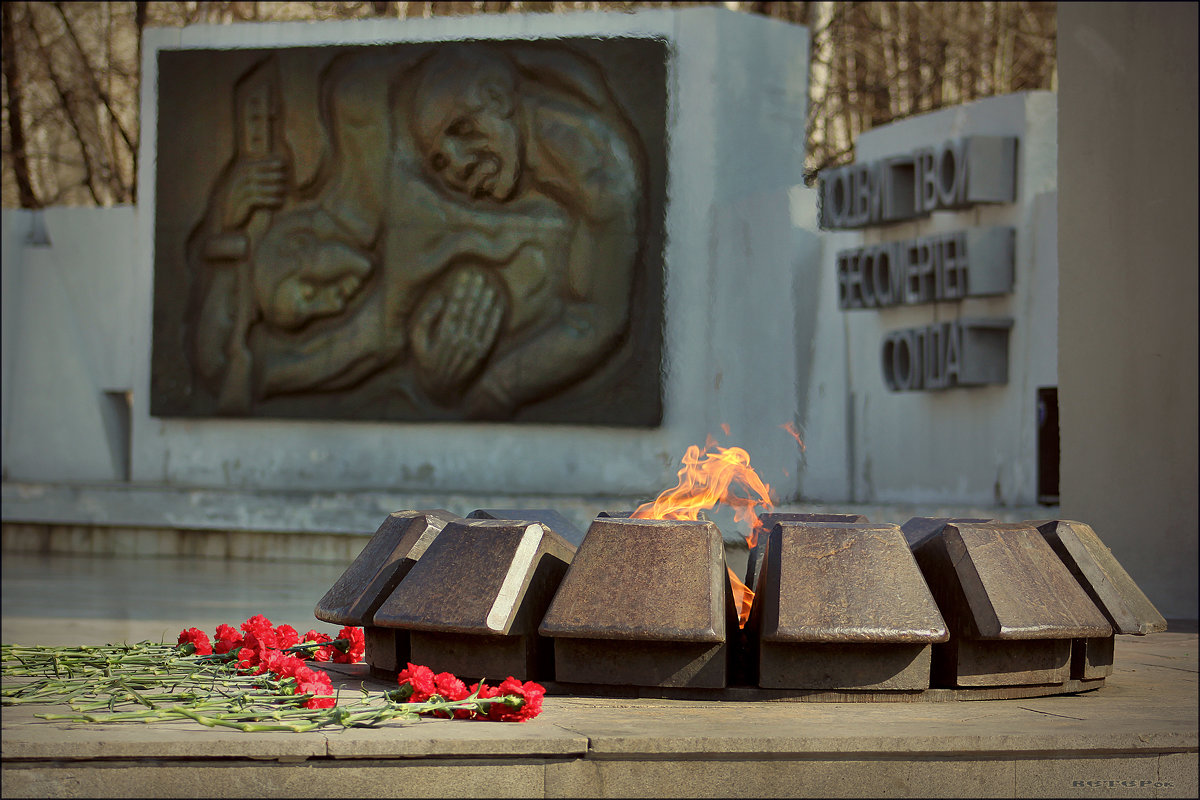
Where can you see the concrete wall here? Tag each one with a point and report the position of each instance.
(721, 293)
(1128, 280)
(973, 445)
(754, 336)
(71, 311)
(737, 105)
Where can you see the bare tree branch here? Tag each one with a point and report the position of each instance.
(14, 88)
(869, 63)
(90, 72)
(65, 98)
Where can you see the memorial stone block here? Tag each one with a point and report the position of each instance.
(1011, 605)
(547, 516)
(767, 521)
(472, 605)
(354, 598)
(842, 606)
(1102, 577)
(1109, 586)
(645, 603)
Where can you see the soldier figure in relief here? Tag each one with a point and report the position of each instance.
(478, 223)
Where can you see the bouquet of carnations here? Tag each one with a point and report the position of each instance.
(256, 678)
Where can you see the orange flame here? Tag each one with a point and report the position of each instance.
(743, 597)
(706, 479)
(790, 428)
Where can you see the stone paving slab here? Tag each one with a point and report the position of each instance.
(1134, 737)
(1148, 704)
(26, 737)
(1067, 776)
(1108, 777)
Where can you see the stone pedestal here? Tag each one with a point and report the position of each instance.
(645, 603)
(842, 606)
(1012, 607)
(396, 546)
(473, 603)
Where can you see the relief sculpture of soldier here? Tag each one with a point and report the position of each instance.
(473, 231)
(488, 135)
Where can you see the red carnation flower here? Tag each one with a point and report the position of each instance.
(516, 701)
(262, 628)
(485, 692)
(321, 702)
(249, 661)
(225, 645)
(198, 639)
(529, 692)
(262, 636)
(291, 665)
(286, 636)
(451, 688)
(254, 649)
(357, 646)
(283, 665)
(270, 661)
(422, 681)
(317, 683)
(313, 678)
(227, 639)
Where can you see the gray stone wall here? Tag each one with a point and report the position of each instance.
(932, 443)
(1128, 287)
(735, 108)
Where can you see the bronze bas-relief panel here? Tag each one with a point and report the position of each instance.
(419, 232)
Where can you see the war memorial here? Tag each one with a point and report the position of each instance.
(413, 322)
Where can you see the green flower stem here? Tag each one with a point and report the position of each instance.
(308, 648)
(215, 714)
(164, 682)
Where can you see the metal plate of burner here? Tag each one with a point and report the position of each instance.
(843, 606)
(473, 602)
(1102, 577)
(768, 521)
(645, 603)
(547, 516)
(1108, 585)
(1010, 602)
(353, 599)
(396, 546)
